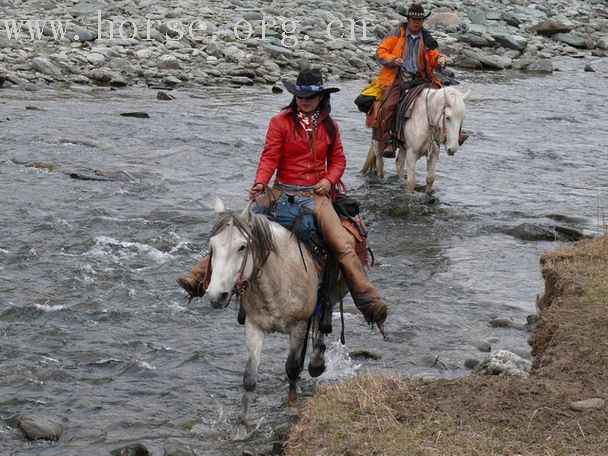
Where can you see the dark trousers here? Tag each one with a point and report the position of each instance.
(390, 102)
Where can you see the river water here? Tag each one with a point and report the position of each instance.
(100, 214)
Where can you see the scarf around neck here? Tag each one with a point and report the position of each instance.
(309, 121)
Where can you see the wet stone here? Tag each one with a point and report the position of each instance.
(135, 449)
(37, 427)
(138, 115)
(164, 96)
(501, 322)
(471, 363)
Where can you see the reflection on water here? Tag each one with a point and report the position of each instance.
(102, 212)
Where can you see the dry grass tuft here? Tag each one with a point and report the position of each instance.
(385, 414)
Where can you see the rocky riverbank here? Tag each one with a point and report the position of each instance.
(243, 42)
(559, 410)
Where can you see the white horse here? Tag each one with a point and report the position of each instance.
(436, 119)
(277, 282)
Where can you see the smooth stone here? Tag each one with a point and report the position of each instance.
(138, 115)
(501, 322)
(164, 96)
(37, 427)
(135, 449)
(471, 363)
(588, 404)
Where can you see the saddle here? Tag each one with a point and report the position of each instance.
(406, 104)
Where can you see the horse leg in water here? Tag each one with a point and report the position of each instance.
(254, 339)
(316, 365)
(295, 361)
(410, 161)
(379, 158)
(431, 163)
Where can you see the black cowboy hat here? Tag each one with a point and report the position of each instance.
(416, 11)
(308, 84)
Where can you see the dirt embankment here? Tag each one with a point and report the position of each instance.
(481, 415)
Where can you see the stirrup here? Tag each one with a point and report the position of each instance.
(389, 151)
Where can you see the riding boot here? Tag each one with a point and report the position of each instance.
(365, 296)
(195, 284)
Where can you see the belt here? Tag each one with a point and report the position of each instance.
(304, 193)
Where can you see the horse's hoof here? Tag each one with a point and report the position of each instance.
(292, 410)
(240, 432)
(316, 369)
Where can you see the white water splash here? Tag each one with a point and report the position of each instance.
(106, 246)
(49, 308)
(338, 362)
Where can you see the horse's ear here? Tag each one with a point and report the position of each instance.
(247, 214)
(219, 206)
(466, 96)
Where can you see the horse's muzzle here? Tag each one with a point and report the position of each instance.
(221, 301)
(452, 151)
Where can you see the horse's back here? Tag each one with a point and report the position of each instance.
(288, 285)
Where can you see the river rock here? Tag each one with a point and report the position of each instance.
(458, 26)
(177, 449)
(501, 322)
(571, 39)
(483, 346)
(588, 404)
(510, 41)
(82, 35)
(138, 115)
(540, 66)
(532, 232)
(504, 362)
(164, 96)
(37, 427)
(471, 363)
(550, 27)
(135, 449)
(443, 19)
(477, 15)
(44, 66)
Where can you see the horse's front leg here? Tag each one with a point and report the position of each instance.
(316, 365)
(401, 151)
(431, 164)
(254, 339)
(410, 159)
(295, 362)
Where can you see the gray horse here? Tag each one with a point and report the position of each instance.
(436, 119)
(277, 282)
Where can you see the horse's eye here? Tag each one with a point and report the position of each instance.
(242, 248)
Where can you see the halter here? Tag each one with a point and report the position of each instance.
(438, 131)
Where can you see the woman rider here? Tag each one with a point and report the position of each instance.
(304, 149)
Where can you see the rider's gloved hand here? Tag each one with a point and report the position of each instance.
(442, 60)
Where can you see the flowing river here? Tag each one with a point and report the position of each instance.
(101, 213)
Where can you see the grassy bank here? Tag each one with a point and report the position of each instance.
(481, 415)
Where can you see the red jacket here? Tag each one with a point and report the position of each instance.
(289, 152)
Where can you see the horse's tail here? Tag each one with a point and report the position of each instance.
(370, 162)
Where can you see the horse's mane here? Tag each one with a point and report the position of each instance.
(255, 228)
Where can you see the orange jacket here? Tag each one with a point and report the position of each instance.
(393, 46)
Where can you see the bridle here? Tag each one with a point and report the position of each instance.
(438, 131)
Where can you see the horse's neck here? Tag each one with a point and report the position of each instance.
(289, 255)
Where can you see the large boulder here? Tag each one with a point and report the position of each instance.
(550, 27)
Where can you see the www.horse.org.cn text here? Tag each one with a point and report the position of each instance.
(289, 31)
